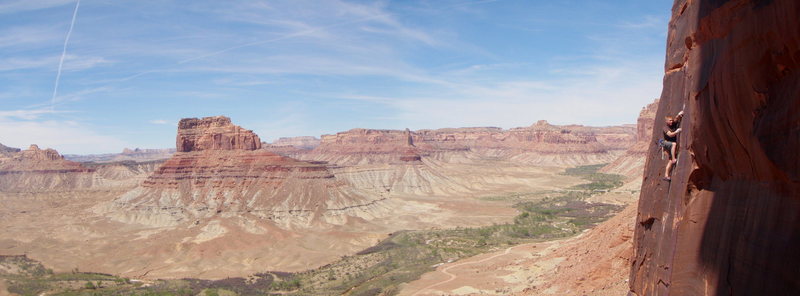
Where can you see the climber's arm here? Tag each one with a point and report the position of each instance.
(671, 133)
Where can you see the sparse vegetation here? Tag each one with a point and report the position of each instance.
(598, 181)
(378, 270)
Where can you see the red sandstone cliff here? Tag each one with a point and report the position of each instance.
(631, 164)
(36, 169)
(366, 146)
(541, 143)
(728, 223)
(214, 133)
(220, 170)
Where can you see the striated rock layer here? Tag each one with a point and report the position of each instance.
(137, 155)
(368, 146)
(220, 170)
(546, 144)
(37, 169)
(631, 164)
(214, 133)
(124, 170)
(304, 142)
(540, 143)
(286, 150)
(728, 223)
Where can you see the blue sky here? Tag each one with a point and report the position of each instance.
(132, 69)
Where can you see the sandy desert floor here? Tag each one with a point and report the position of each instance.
(593, 263)
(60, 230)
(3, 290)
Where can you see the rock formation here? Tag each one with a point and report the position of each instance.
(727, 223)
(285, 150)
(214, 133)
(411, 153)
(615, 137)
(544, 138)
(133, 172)
(631, 164)
(541, 144)
(305, 142)
(368, 146)
(5, 150)
(36, 169)
(137, 155)
(295, 147)
(219, 169)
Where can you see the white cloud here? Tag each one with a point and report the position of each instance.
(27, 5)
(328, 24)
(10, 64)
(79, 95)
(647, 22)
(596, 94)
(68, 137)
(78, 63)
(34, 35)
(319, 65)
(25, 114)
(71, 62)
(158, 121)
(291, 121)
(417, 76)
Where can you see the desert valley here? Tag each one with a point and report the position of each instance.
(542, 209)
(224, 204)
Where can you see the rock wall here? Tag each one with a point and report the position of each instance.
(368, 146)
(644, 126)
(304, 142)
(729, 222)
(631, 164)
(37, 169)
(541, 143)
(541, 137)
(214, 133)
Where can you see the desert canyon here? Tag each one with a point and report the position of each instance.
(224, 204)
(334, 214)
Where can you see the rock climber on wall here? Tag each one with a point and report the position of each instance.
(669, 143)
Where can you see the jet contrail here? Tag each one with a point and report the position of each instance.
(63, 54)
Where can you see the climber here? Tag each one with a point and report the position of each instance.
(669, 143)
